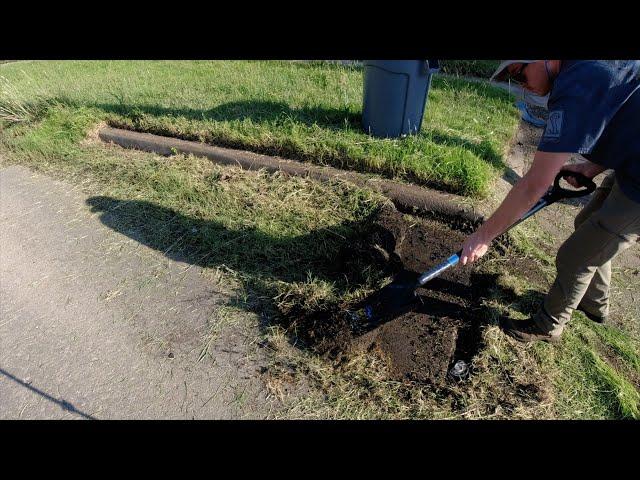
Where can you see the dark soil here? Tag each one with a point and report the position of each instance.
(419, 346)
(423, 340)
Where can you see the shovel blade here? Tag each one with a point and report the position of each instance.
(387, 302)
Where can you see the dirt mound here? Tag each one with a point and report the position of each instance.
(422, 341)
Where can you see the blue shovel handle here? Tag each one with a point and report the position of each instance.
(553, 195)
(438, 269)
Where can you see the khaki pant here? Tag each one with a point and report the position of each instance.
(606, 226)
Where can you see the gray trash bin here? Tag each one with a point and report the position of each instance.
(395, 94)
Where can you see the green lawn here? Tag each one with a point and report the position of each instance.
(303, 111)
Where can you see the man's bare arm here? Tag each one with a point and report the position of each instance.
(519, 200)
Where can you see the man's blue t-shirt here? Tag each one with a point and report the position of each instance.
(594, 110)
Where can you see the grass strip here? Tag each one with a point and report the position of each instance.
(309, 112)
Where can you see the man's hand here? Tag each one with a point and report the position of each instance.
(586, 168)
(474, 247)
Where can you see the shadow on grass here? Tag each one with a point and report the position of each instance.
(527, 302)
(347, 255)
(258, 111)
(332, 254)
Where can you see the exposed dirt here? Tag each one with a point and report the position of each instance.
(418, 346)
(422, 340)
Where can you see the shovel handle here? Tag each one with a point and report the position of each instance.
(559, 192)
(438, 269)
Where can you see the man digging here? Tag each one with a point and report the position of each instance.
(594, 110)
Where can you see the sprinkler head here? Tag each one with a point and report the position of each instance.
(459, 371)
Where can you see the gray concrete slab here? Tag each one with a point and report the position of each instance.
(96, 325)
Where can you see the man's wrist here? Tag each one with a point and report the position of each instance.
(483, 235)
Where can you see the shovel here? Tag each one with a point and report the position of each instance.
(401, 293)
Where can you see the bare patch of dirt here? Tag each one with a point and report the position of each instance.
(422, 340)
(419, 346)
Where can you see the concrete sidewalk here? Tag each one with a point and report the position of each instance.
(96, 325)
